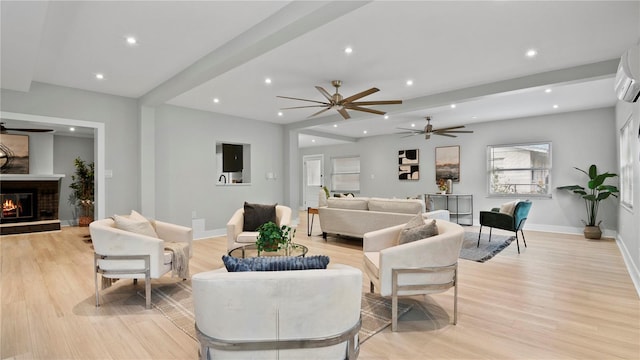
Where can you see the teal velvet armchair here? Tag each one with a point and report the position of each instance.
(504, 221)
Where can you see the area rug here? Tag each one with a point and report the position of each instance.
(487, 249)
(175, 302)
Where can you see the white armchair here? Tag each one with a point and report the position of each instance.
(121, 254)
(423, 266)
(300, 314)
(237, 237)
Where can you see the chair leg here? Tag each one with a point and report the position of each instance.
(490, 229)
(523, 239)
(479, 233)
(394, 312)
(371, 286)
(518, 242)
(147, 290)
(455, 296)
(95, 280)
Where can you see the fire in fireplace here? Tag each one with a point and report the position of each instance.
(17, 207)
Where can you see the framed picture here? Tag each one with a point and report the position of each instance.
(408, 165)
(14, 154)
(448, 163)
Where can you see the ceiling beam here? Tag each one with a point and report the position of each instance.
(295, 19)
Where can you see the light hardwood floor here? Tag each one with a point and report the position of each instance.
(562, 298)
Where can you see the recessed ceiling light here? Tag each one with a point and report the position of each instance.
(313, 140)
(547, 90)
(335, 125)
(364, 132)
(279, 113)
(100, 76)
(131, 40)
(386, 117)
(453, 106)
(531, 53)
(409, 82)
(72, 129)
(555, 106)
(267, 81)
(216, 100)
(413, 125)
(348, 50)
(474, 117)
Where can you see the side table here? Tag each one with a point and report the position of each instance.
(311, 214)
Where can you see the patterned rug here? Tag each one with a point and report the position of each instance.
(487, 249)
(175, 301)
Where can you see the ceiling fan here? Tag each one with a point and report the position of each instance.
(4, 130)
(428, 130)
(342, 104)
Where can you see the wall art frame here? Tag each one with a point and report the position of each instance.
(14, 154)
(448, 163)
(409, 164)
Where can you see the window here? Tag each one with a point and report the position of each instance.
(519, 169)
(345, 174)
(626, 166)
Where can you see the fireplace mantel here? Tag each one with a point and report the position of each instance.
(31, 177)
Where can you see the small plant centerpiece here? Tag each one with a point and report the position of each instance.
(272, 237)
(442, 185)
(82, 192)
(595, 192)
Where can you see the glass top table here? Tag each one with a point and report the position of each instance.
(251, 250)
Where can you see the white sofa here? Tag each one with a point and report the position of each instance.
(269, 314)
(359, 215)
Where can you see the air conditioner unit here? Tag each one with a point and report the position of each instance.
(627, 83)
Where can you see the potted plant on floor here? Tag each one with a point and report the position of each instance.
(272, 237)
(83, 191)
(595, 192)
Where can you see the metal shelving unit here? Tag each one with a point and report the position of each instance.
(460, 206)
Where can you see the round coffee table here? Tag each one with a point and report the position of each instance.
(251, 250)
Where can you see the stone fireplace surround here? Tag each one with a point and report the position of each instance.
(46, 190)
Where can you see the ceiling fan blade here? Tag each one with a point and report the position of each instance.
(292, 98)
(344, 113)
(449, 128)
(301, 107)
(319, 112)
(28, 130)
(380, 102)
(360, 95)
(325, 93)
(358, 108)
(443, 134)
(412, 130)
(454, 131)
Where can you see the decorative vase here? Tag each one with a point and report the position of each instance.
(592, 232)
(84, 221)
(449, 186)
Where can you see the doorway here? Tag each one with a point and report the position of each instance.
(312, 179)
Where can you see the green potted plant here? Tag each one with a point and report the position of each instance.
(595, 192)
(271, 237)
(82, 194)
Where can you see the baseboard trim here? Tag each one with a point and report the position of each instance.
(632, 268)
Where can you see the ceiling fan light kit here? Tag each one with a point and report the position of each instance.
(341, 104)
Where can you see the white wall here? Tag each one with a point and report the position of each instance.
(578, 139)
(120, 116)
(186, 174)
(40, 153)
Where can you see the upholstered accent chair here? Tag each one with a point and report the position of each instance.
(294, 314)
(122, 254)
(238, 236)
(510, 216)
(423, 266)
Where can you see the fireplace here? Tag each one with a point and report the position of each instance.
(18, 206)
(29, 204)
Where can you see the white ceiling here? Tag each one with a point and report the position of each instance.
(467, 53)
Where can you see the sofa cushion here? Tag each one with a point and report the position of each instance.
(256, 215)
(348, 203)
(420, 232)
(509, 207)
(142, 227)
(402, 206)
(275, 263)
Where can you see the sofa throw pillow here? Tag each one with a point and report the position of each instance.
(138, 217)
(256, 215)
(509, 207)
(275, 263)
(418, 232)
(142, 227)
